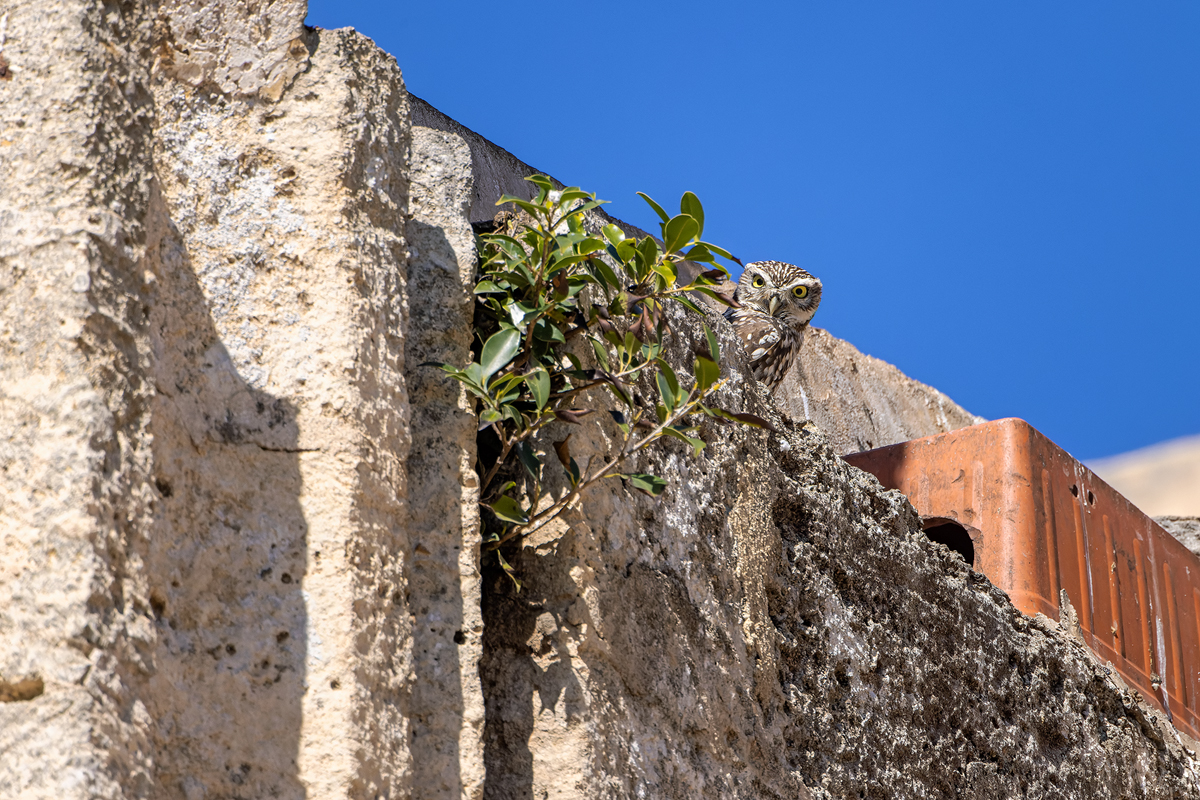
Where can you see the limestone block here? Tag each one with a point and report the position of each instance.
(281, 435)
(75, 502)
(238, 47)
(208, 583)
(443, 522)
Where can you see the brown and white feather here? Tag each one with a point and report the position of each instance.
(778, 301)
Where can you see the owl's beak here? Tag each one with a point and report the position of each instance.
(774, 304)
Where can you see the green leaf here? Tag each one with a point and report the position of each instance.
(574, 193)
(539, 384)
(508, 570)
(696, 444)
(657, 208)
(664, 389)
(665, 369)
(650, 484)
(541, 180)
(509, 510)
(548, 332)
(601, 353)
(721, 251)
(613, 233)
(487, 287)
(690, 204)
(606, 273)
(529, 459)
(564, 262)
(473, 375)
(648, 248)
(713, 349)
(707, 372)
(534, 211)
(668, 270)
(517, 313)
(624, 251)
(720, 298)
(680, 230)
(688, 303)
(488, 416)
(498, 350)
(700, 254)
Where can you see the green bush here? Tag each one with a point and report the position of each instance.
(546, 281)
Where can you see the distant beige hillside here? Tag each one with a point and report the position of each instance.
(1161, 480)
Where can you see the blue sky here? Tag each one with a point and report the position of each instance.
(1002, 199)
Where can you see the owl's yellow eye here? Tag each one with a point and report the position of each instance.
(759, 282)
(800, 291)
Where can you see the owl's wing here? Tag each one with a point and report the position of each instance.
(758, 333)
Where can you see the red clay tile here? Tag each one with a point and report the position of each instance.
(1040, 523)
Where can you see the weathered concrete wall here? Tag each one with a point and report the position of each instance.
(777, 626)
(238, 522)
(210, 553)
(76, 492)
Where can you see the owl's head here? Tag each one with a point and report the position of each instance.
(780, 290)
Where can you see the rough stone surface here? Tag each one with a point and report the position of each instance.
(207, 421)
(447, 704)
(76, 495)
(241, 47)
(861, 402)
(1185, 529)
(238, 522)
(777, 626)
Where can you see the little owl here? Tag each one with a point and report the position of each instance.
(778, 301)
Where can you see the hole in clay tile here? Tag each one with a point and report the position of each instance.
(1091, 498)
(953, 535)
(1074, 490)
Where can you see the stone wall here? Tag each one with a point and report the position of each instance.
(213, 419)
(238, 519)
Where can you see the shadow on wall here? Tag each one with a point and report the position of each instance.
(226, 560)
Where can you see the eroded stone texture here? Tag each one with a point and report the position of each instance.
(75, 496)
(777, 626)
(282, 434)
(239, 47)
(447, 703)
(861, 402)
(206, 441)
